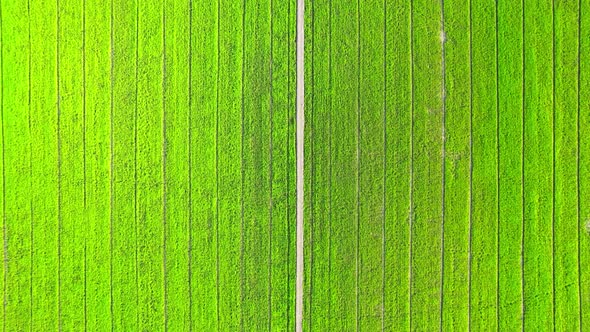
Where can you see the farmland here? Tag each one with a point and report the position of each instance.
(148, 156)
(447, 165)
(150, 165)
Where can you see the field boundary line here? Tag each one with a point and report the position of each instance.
(411, 191)
(190, 167)
(5, 248)
(553, 189)
(242, 172)
(358, 162)
(135, 126)
(164, 176)
(270, 168)
(331, 94)
(498, 223)
(312, 172)
(443, 39)
(522, 159)
(300, 36)
(217, 296)
(111, 164)
(498, 220)
(289, 156)
(58, 133)
(31, 214)
(84, 139)
(470, 231)
(384, 197)
(578, 162)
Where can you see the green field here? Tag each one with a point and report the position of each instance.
(148, 165)
(447, 165)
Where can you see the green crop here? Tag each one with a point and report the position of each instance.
(148, 165)
(446, 165)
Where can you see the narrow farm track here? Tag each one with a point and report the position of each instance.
(447, 183)
(148, 165)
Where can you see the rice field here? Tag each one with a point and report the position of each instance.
(447, 165)
(149, 165)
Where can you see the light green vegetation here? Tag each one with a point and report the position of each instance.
(397, 148)
(426, 219)
(148, 167)
(318, 168)
(484, 148)
(344, 151)
(70, 166)
(445, 165)
(43, 164)
(566, 234)
(124, 290)
(538, 171)
(455, 301)
(510, 143)
(16, 175)
(98, 168)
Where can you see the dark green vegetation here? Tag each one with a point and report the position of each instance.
(148, 176)
(447, 165)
